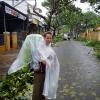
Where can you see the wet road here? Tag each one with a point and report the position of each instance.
(79, 72)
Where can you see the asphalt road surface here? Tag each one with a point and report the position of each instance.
(79, 72)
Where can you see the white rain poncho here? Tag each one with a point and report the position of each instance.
(34, 49)
(25, 55)
(44, 52)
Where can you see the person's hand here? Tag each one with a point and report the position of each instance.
(43, 61)
(42, 65)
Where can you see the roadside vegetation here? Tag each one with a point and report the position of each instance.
(57, 38)
(95, 44)
(15, 86)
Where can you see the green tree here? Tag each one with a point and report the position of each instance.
(91, 19)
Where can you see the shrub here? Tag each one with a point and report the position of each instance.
(98, 55)
(15, 84)
(93, 43)
(57, 38)
(96, 46)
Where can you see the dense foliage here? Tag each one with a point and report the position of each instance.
(15, 84)
(57, 38)
(65, 13)
(90, 19)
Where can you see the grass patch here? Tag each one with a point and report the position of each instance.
(98, 55)
(96, 46)
(94, 43)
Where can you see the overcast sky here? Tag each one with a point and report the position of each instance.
(84, 6)
(23, 6)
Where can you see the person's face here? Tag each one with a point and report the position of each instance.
(48, 38)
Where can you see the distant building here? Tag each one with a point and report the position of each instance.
(12, 20)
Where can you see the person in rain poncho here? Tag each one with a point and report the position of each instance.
(46, 67)
(37, 49)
